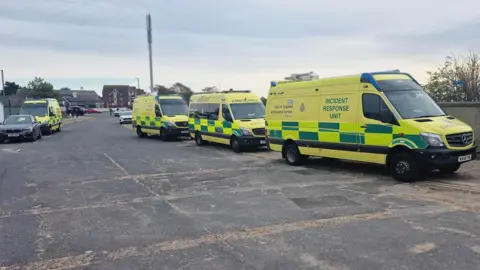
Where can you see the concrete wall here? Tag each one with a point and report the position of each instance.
(468, 112)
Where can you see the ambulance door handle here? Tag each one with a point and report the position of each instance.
(364, 126)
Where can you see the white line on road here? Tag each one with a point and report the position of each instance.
(133, 177)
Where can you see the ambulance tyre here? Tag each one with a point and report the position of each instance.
(163, 135)
(140, 134)
(198, 139)
(59, 129)
(404, 168)
(235, 145)
(292, 154)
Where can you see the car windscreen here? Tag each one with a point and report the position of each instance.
(248, 110)
(17, 120)
(34, 109)
(173, 107)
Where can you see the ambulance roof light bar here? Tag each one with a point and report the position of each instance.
(300, 77)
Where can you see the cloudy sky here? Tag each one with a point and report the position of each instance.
(229, 44)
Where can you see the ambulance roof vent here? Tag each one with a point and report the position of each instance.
(236, 91)
(300, 77)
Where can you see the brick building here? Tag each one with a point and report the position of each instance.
(117, 96)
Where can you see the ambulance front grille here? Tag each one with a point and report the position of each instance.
(182, 124)
(460, 139)
(259, 131)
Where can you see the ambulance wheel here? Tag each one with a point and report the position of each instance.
(293, 155)
(59, 129)
(163, 135)
(198, 139)
(450, 169)
(140, 134)
(404, 168)
(235, 145)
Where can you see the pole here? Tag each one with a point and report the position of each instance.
(3, 82)
(149, 39)
(138, 82)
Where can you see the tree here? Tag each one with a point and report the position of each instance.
(65, 88)
(176, 89)
(39, 88)
(458, 79)
(11, 88)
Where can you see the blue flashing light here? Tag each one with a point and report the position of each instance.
(273, 83)
(368, 78)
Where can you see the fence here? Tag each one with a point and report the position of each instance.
(468, 112)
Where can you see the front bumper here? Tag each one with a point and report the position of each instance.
(251, 141)
(16, 136)
(435, 158)
(177, 132)
(125, 121)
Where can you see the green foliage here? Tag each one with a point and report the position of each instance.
(65, 88)
(176, 89)
(39, 88)
(466, 69)
(11, 88)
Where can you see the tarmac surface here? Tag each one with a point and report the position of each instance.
(95, 196)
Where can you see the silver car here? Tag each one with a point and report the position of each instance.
(125, 117)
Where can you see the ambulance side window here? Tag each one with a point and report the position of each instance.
(213, 111)
(193, 111)
(157, 111)
(374, 108)
(227, 116)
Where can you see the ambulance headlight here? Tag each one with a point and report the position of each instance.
(432, 139)
(246, 132)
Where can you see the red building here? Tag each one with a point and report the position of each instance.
(117, 96)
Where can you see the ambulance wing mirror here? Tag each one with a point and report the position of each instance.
(228, 118)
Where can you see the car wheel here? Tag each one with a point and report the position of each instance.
(235, 145)
(404, 168)
(198, 139)
(34, 136)
(292, 155)
(163, 135)
(140, 134)
(39, 135)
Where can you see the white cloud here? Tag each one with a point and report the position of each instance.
(238, 44)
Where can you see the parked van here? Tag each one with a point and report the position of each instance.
(235, 118)
(381, 117)
(165, 116)
(46, 111)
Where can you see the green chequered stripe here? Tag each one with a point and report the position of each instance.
(411, 140)
(220, 128)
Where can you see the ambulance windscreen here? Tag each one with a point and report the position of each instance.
(398, 85)
(248, 110)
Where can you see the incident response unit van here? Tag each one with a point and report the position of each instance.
(383, 117)
(164, 115)
(46, 111)
(235, 118)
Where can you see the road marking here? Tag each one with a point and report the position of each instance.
(91, 258)
(422, 248)
(133, 178)
(180, 195)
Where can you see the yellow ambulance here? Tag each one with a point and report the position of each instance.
(382, 117)
(235, 118)
(164, 115)
(46, 111)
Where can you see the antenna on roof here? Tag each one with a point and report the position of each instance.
(299, 77)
